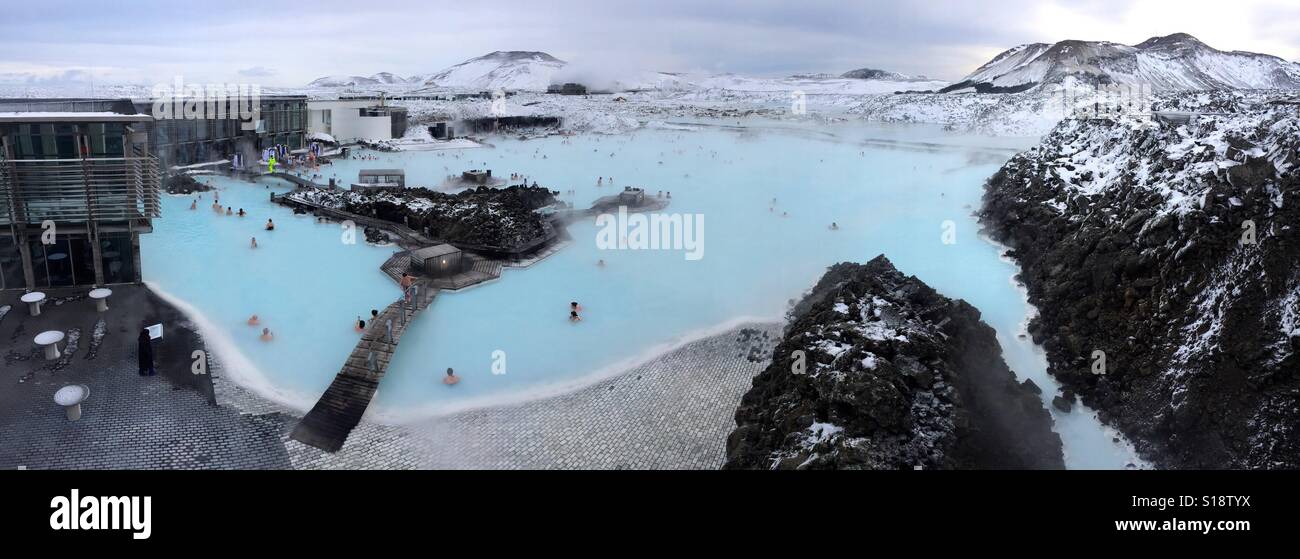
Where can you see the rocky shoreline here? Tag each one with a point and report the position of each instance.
(876, 370)
(1163, 260)
(493, 219)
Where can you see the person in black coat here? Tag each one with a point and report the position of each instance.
(145, 353)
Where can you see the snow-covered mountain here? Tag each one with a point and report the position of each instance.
(1178, 62)
(388, 78)
(382, 78)
(517, 70)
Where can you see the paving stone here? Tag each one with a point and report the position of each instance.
(673, 412)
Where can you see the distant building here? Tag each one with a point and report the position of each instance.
(442, 131)
(76, 191)
(436, 261)
(631, 196)
(380, 179)
(349, 120)
(1175, 118)
(180, 141)
(477, 176)
(567, 89)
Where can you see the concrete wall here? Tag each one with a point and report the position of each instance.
(346, 123)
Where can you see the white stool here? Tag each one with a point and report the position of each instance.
(50, 339)
(101, 298)
(33, 301)
(71, 397)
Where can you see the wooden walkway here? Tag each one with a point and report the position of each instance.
(340, 408)
(295, 179)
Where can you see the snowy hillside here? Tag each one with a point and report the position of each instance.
(1177, 62)
(513, 70)
(806, 84)
(382, 78)
(874, 74)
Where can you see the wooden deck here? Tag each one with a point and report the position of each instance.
(481, 269)
(340, 408)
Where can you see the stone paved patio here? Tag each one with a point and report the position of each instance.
(167, 421)
(673, 412)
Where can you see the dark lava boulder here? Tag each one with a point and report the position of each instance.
(183, 184)
(502, 219)
(1167, 276)
(879, 371)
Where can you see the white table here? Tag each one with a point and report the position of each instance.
(33, 301)
(50, 339)
(71, 397)
(100, 296)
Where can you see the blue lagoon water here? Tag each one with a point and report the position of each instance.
(889, 188)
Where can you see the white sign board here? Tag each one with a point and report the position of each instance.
(155, 332)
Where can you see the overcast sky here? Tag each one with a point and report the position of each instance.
(290, 43)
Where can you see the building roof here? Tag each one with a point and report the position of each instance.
(365, 172)
(434, 252)
(45, 116)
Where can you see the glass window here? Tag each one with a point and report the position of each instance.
(118, 257)
(83, 261)
(11, 265)
(106, 139)
(39, 276)
(58, 261)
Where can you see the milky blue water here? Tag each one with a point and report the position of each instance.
(888, 190)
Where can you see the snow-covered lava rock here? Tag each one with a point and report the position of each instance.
(1173, 250)
(879, 371)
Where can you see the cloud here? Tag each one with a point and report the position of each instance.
(940, 38)
(48, 77)
(256, 72)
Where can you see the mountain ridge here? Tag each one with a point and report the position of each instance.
(1175, 62)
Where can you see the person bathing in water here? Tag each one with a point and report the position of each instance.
(270, 225)
(451, 377)
(573, 316)
(406, 282)
(253, 320)
(361, 324)
(252, 243)
(266, 335)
